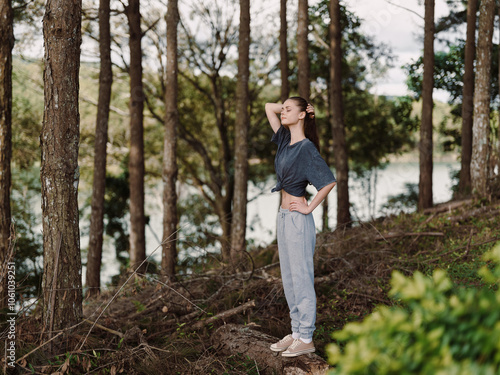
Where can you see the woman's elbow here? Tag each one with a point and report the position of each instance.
(331, 186)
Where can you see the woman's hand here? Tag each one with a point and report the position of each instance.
(310, 110)
(300, 206)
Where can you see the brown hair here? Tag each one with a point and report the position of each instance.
(310, 130)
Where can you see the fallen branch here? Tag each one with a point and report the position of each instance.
(18, 361)
(468, 246)
(396, 235)
(223, 315)
(447, 206)
(384, 301)
(136, 334)
(119, 334)
(472, 213)
(322, 279)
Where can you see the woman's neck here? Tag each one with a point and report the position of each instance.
(296, 133)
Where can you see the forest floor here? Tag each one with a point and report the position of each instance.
(148, 327)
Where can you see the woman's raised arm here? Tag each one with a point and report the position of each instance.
(272, 110)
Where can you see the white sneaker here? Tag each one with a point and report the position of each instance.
(283, 344)
(298, 347)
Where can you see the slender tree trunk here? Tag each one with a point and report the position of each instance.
(426, 145)
(225, 215)
(93, 275)
(481, 127)
(496, 165)
(6, 45)
(337, 117)
(285, 87)
(325, 226)
(303, 50)
(325, 221)
(170, 221)
(239, 218)
(62, 277)
(136, 159)
(226, 183)
(464, 185)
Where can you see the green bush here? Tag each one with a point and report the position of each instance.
(437, 328)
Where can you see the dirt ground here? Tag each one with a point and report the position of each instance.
(146, 326)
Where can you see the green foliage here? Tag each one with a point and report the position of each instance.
(406, 201)
(115, 212)
(448, 72)
(437, 329)
(27, 112)
(376, 126)
(139, 306)
(239, 363)
(25, 194)
(449, 68)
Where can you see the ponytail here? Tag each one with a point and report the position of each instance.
(310, 130)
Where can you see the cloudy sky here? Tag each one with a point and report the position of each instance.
(399, 28)
(385, 20)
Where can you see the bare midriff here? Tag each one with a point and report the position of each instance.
(286, 199)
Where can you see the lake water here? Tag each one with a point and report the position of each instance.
(262, 211)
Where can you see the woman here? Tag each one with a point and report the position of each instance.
(298, 163)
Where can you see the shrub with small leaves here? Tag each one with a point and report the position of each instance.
(435, 329)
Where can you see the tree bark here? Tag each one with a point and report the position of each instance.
(170, 220)
(136, 158)
(94, 258)
(6, 45)
(303, 50)
(239, 218)
(285, 86)
(232, 338)
(61, 284)
(337, 117)
(426, 145)
(325, 226)
(464, 185)
(481, 126)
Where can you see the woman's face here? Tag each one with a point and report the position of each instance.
(291, 113)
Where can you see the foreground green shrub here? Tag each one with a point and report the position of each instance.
(437, 329)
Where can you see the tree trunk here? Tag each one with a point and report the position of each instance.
(337, 117)
(225, 182)
(93, 275)
(464, 185)
(232, 338)
(285, 87)
(303, 50)
(6, 45)
(481, 126)
(170, 220)
(425, 148)
(224, 213)
(239, 217)
(494, 185)
(325, 226)
(62, 277)
(136, 158)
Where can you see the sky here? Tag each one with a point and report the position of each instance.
(400, 29)
(385, 20)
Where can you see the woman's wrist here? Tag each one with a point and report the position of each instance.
(274, 107)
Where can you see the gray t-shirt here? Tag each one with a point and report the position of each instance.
(298, 165)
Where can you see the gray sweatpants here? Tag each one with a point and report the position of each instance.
(296, 241)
